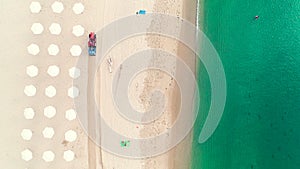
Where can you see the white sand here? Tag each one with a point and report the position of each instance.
(54, 58)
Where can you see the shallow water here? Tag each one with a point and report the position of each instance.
(261, 122)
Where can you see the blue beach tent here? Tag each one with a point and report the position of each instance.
(142, 12)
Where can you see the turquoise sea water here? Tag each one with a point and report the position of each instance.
(260, 128)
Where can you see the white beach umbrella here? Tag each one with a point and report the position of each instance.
(53, 50)
(32, 71)
(49, 111)
(78, 30)
(70, 136)
(57, 7)
(55, 28)
(48, 156)
(30, 90)
(26, 134)
(78, 8)
(37, 28)
(73, 92)
(33, 49)
(26, 155)
(74, 72)
(53, 70)
(48, 132)
(50, 91)
(75, 50)
(70, 114)
(35, 7)
(28, 113)
(69, 155)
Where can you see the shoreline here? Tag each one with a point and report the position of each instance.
(96, 15)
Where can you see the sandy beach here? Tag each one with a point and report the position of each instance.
(87, 155)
